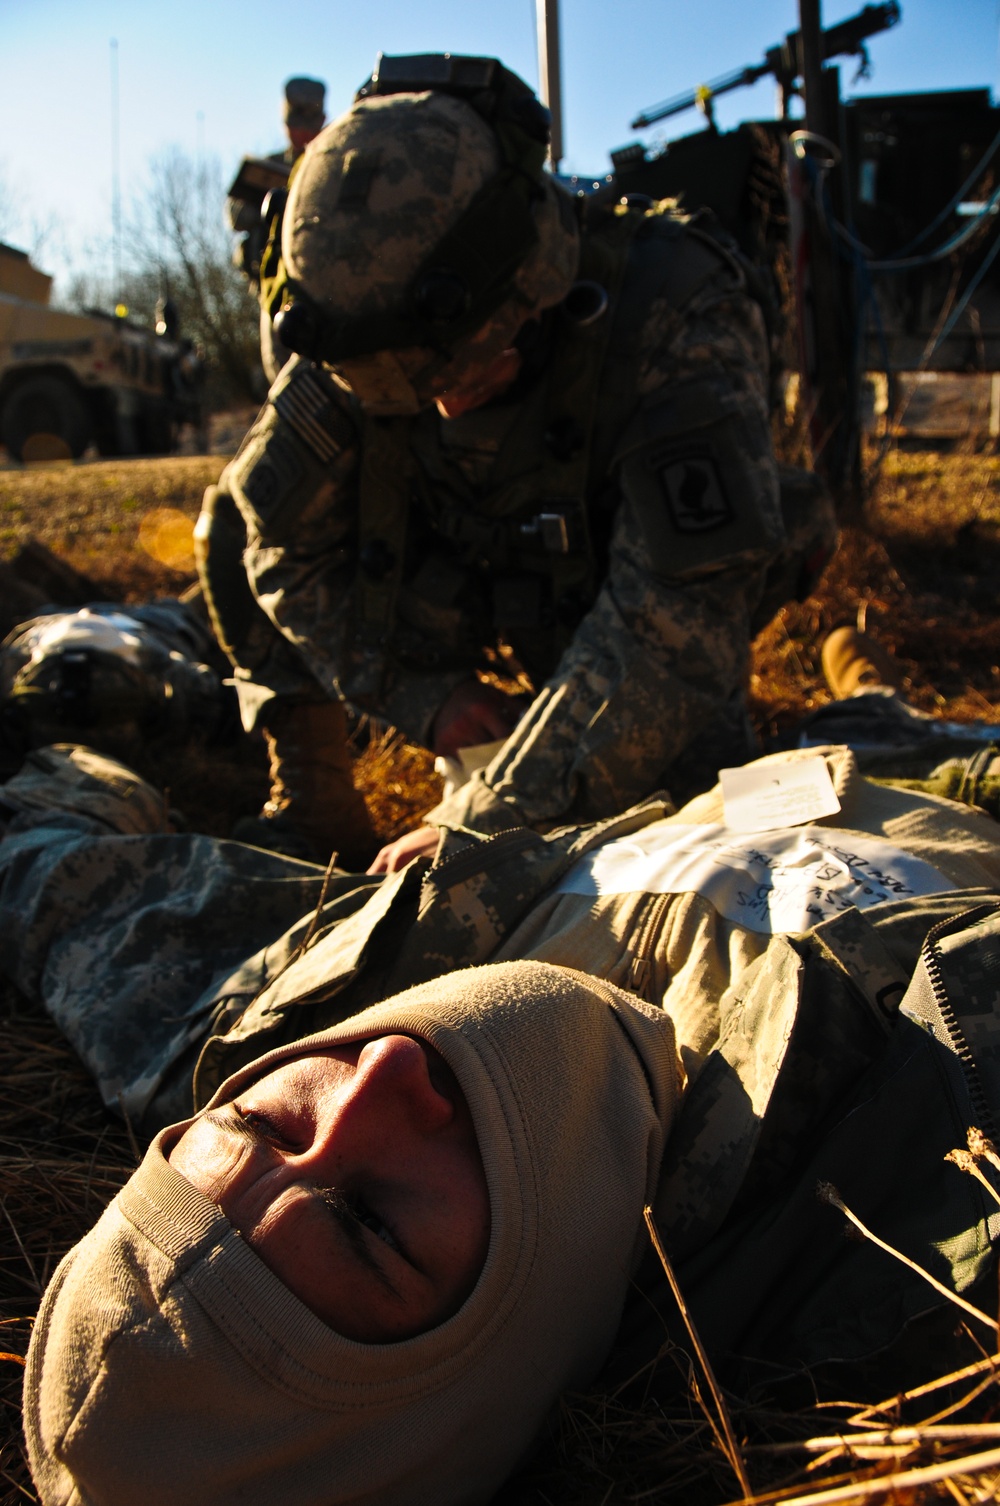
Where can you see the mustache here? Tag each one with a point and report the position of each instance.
(353, 1230)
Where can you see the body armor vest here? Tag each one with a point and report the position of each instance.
(511, 503)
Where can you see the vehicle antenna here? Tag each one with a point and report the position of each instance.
(547, 14)
(116, 186)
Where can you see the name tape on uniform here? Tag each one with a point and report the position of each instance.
(767, 881)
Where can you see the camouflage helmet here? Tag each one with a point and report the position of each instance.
(421, 231)
(119, 681)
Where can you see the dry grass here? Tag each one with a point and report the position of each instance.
(921, 574)
(90, 514)
(62, 1157)
(102, 517)
(609, 1452)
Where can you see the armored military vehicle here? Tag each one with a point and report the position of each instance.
(68, 380)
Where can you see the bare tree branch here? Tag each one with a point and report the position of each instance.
(177, 238)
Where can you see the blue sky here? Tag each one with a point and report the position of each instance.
(207, 75)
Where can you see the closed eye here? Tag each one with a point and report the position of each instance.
(248, 1124)
(371, 1220)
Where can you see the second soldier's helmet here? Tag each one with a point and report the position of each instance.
(421, 231)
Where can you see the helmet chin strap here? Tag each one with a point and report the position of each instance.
(386, 389)
(493, 380)
(380, 385)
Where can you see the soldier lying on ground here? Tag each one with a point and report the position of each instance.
(407, 1213)
(118, 676)
(514, 417)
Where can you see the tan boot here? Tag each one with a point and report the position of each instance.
(313, 809)
(853, 661)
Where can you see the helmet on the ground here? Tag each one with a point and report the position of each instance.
(103, 678)
(421, 231)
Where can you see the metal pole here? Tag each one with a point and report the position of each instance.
(811, 32)
(825, 288)
(547, 13)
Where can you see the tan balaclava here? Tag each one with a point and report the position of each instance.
(169, 1365)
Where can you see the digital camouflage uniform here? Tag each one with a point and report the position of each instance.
(857, 1052)
(615, 518)
(960, 760)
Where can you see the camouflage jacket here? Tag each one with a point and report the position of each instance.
(616, 532)
(854, 1068)
(857, 1052)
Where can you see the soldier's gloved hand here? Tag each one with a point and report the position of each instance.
(474, 713)
(421, 842)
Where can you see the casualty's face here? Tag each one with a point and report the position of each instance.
(355, 1175)
(348, 1164)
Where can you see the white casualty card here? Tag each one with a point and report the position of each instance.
(766, 797)
(768, 881)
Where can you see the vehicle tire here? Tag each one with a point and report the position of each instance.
(106, 424)
(45, 418)
(156, 430)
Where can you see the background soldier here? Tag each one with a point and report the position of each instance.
(303, 114)
(121, 676)
(304, 118)
(512, 420)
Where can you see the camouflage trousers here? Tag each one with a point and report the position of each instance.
(136, 937)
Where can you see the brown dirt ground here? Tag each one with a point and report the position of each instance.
(921, 574)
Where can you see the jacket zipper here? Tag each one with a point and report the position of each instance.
(932, 961)
(469, 861)
(649, 931)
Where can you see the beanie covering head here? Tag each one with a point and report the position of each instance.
(169, 1365)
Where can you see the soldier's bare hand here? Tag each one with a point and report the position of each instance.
(421, 842)
(474, 713)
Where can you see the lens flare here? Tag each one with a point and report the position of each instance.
(167, 535)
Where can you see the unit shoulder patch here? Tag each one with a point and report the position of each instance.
(695, 492)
